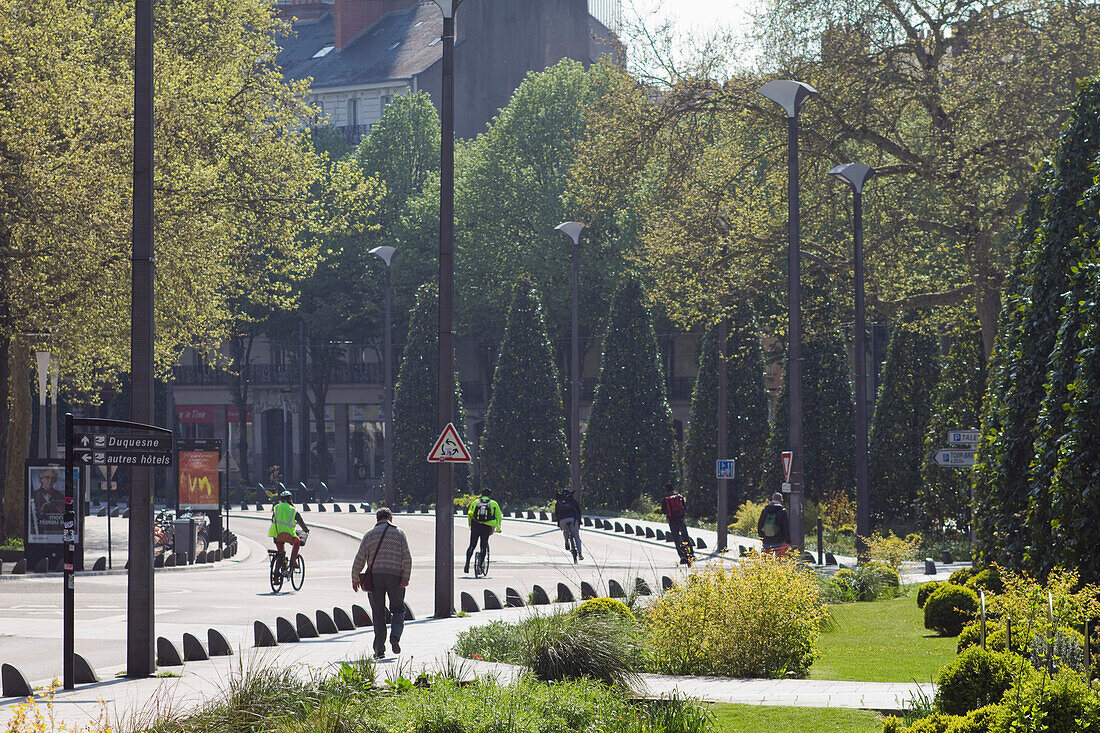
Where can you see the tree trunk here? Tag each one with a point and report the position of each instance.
(987, 293)
(243, 359)
(18, 438)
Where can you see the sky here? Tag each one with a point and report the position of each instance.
(692, 19)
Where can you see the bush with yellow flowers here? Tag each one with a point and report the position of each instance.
(759, 619)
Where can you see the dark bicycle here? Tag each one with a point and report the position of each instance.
(278, 571)
(571, 545)
(481, 563)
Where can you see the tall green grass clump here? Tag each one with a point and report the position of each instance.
(761, 619)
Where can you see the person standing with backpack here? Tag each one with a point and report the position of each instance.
(675, 509)
(774, 527)
(484, 518)
(567, 513)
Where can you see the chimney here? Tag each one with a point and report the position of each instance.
(352, 17)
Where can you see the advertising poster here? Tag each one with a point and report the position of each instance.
(199, 477)
(45, 489)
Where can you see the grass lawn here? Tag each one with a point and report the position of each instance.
(883, 641)
(768, 719)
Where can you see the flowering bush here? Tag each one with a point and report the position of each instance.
(889, 549)
(760, 619)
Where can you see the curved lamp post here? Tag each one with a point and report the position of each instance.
(573, 230)
(790, 95)
(856, 175)
(385, 253)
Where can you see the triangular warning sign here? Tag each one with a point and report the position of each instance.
(449, 448)
(787, 457)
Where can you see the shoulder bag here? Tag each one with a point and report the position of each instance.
(366, 578)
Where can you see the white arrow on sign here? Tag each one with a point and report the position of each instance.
(954, 458)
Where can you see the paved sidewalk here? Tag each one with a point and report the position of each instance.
(426, 645)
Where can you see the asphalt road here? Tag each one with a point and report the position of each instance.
(231, 595)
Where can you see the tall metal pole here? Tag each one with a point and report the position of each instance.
(794, 347)
(575, 379)
(388, 437)
(856, 175)
(140, 660)
(68, 592)
(723, 432)
(863, 490)
(43, 360)
(286, 442)
(444, 501)
(53, 410)
(303, 409)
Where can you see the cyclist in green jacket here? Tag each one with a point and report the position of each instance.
(283, 517)
(484, 518)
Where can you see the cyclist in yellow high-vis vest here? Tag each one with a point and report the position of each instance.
(283, 517)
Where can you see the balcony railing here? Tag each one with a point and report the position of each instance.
(276, 374)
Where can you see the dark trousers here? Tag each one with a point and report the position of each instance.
(478, 531)
(387, 585)
(679, 531)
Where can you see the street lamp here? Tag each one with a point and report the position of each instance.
(790, 95)
(444, 486)
(573, 230)
(43, 358)
(856, 175)
(385, 253)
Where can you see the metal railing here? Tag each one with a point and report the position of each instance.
(281, 374)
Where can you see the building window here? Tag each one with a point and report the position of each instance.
(386, 100)
(353, 112)
(323, 52)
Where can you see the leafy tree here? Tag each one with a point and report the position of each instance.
(415, 404)
(944, 493)
(627, 450)
(827, 408)
(1023, 420)
(902, 412)
(523, 450)
(746, 407)
(229, 159)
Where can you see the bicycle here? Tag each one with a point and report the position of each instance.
(571, 545)
(481, 563)
(278, 571)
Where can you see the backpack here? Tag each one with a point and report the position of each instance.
(483, 512)
(565, 508)
(675, 505)
(771, 524)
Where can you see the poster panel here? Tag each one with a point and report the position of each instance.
(199, 477)
(45, 501)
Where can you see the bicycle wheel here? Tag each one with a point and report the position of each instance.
(484, 562)
(276, 574)
(298, 573)
(477, 564)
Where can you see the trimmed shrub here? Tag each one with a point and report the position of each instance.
(926, 590)
(712, 624)
(1063, 703)
(962, 575)
(971, 635)
(988, 580)
(989, 719)
(607, 607)
(949, 608)
(974, 679)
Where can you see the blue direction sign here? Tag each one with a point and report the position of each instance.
(725, 468)
(954, 457)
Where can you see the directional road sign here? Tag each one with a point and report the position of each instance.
(724, 468)
(954, 457)
(107, 458)
(964, 437)
(124, 443)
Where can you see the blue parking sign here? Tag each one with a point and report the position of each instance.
(725, 468)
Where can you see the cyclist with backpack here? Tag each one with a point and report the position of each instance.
(774, 527)
(484, 518)
(674, 508)
(567, 513)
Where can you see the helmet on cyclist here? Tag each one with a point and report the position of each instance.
(286, 495)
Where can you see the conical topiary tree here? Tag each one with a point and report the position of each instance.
(415, 407)
(944, 495)
(902, 411)
(627, 452)
(524, 457)
(747, 410)
(828, 422)
(1034, 363)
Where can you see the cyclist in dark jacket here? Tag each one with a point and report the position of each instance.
(567, 513)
